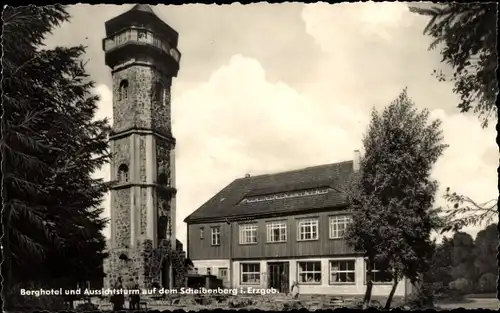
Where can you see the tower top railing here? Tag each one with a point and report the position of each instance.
(141, 36)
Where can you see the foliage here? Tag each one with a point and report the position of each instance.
(85, 307)
(486, 245)
(467, 34)
(462, 285)
(51, 145)
(22, 142)
(487, 282)
(422, 297)
(24, 303)
(461, 265)
(393, 194)
(467, 212)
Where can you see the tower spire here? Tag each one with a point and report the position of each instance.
(143, 7)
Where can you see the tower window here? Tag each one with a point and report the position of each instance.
(123, 90)
(142, 34)
(123, 173)
(158, 93)
(163, 227)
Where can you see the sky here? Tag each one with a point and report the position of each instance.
(265, 88)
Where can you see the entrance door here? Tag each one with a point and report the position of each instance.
(278, 276)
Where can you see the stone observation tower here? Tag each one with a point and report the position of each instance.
(141, 51)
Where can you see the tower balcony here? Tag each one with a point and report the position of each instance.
(134, 41)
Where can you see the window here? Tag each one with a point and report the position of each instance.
(342, 271)
(123, 173)
(276, 232)
(307, 229)
(158, 92)
(123, 90)
(248, 233)
(287, 195)
(215, 236)
(309, 272)
(381, 273)
(202, 232)
(338, 225)
(195, 270)
(142, 34)
(222, 273)
(209, 271)
(250, 273)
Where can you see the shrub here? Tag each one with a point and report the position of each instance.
(422, 297)
(462, 285)
(86, 307)
(488, 282)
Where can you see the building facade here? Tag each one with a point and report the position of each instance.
(272, 230)
(141, 51)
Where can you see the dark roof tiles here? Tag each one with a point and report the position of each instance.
(228, 202)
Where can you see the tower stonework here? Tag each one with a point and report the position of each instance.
(141, 51)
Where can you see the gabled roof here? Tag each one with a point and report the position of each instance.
(228, 202)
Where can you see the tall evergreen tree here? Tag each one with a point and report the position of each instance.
(393, 194)
(51, 144)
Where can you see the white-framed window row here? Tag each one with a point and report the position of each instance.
(248, 234)
(380, 274)
(307, 229)
(338, 225)
(287, 195)
(250, 273)
(309, 272)
(276, 231)
(342, 272)
(215, 236)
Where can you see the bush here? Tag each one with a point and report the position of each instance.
(462, 285)
(86, 307)
(488, 282)
(422, 297)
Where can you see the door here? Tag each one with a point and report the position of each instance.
(278, 276)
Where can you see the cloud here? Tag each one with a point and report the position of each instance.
(242, 118)
(372, 51)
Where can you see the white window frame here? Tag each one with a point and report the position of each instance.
(248, 234)
(339, 271)
(202, 232)
(215, 234)
(219, 270)
(336, 222)
(307, 222)
(374, 271)
(276, 225)
(314, 271)
(209, 271)
(255, 272)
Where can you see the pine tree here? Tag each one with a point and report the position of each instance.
(52, 145)
(393, 194)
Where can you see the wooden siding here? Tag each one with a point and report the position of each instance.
(201, 249)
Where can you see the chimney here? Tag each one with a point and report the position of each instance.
(356, 160)
(247, 175)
